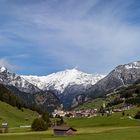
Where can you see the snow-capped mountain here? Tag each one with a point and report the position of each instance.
(15, 80)
(29, 93)
(122, 75)
(65, 84)
(134, 65)
(60, 80)
(72, 87)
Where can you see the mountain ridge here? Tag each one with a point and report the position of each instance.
(31, 95)
(65, 84)
(121, 75)
(73, 87)
(63, 78)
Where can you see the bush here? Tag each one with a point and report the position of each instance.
(46, 118)
(39, 125)
(137, 91)
(133, 101)
(126, 95)
(137, 116)
(116, 101)
(60, 122)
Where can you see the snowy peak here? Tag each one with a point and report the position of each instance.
(73, 76)
(60, 80)
(134, 65)
(3, 69)
(66, 85)
(121, 76)
(12, 79)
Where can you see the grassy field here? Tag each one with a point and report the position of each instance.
(14, 116)
(115, 127)
(103, 133)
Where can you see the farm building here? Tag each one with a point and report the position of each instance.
(4, 127)
(63, 131)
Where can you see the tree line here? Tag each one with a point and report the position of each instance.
(7, 96)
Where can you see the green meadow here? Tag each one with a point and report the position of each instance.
(101, 133)
(14, 116)
(115, 127)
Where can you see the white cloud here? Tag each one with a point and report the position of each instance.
(87, 34)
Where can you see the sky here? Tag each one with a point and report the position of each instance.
(39, 37)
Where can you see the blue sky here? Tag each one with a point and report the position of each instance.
(44, 36)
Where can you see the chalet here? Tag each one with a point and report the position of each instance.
(63, 131)
(4, 127)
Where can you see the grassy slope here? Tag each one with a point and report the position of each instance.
(14, 116)
(97, 103)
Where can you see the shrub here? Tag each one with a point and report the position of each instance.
(46, 118)
(126, 95)
(60, 122)
(133, 101)
(39, 125)
(137, 116)
(116, 101)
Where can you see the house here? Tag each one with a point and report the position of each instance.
(63, 131)
(4, 127)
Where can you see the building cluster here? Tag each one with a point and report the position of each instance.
(124, 108)
(73, 114)
(89, 112)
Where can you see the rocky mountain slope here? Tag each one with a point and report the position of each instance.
(72, 87)
(29, 93)
(12, 79)
(65, 84)
(122, 75)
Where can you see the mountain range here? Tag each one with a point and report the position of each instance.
(70, 87)
(121, 76)
(66, 85)
(27, 92)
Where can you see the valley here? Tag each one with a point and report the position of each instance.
(114, 127)
(69, 70)
(70, 87)
(98, 106)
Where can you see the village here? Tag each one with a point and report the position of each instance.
(90, 112)
(64, 129)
